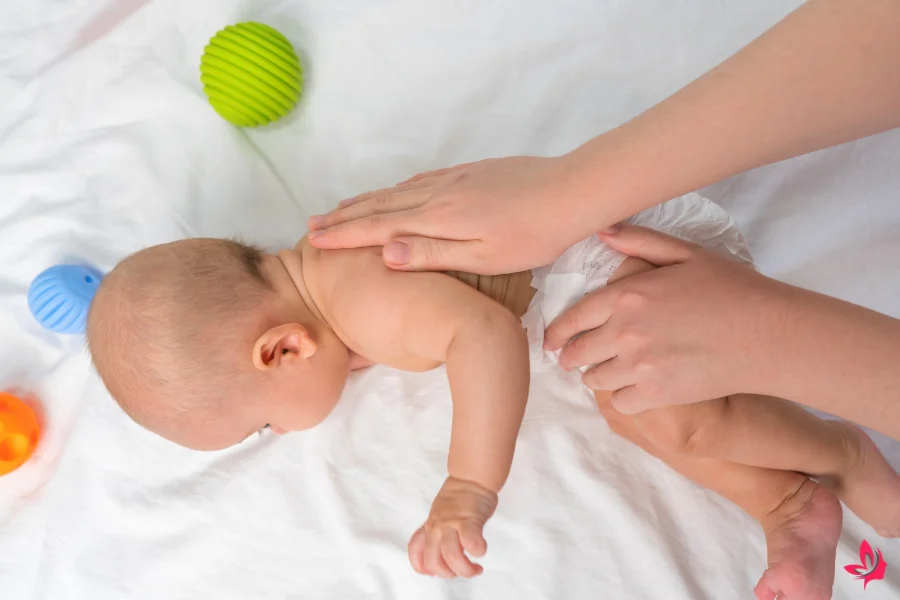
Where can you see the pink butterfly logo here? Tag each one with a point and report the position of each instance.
(871, 567)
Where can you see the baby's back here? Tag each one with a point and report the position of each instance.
(512, 290)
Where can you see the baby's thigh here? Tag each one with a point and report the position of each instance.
(688, 429)
(694, 429)
(621, 425)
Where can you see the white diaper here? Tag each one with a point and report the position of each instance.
(589, 264)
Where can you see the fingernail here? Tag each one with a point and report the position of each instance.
(314, 234)
(315, 221)
(397, 253)
(611, 230)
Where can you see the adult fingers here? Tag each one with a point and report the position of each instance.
(590, 312)
(609, 376)
(387, 201)
(375, 230)
(414, 253)
(434, 560)
(434, 173)
(654, 247)
(403, 186)
(416, 550)
(591, 348)
(453, 554)
(630, 401)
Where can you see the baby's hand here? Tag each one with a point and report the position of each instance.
(458, 515)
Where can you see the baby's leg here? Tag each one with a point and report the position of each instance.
(777, 434)
(801, 519)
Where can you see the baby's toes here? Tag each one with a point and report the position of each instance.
(790, 581)
(763, 589)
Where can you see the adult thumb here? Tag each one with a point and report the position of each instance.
(654, 247)
(414, 253)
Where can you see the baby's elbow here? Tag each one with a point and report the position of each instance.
(489, 331)
(498, 322)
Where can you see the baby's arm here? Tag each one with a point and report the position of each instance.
(487, 364)
(417, 320)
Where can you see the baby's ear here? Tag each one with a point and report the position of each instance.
(283, 345)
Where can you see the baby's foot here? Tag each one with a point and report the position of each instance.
(801, 535)
(869, 486)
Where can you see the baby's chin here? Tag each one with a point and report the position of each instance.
(206, 434)
(207, 443)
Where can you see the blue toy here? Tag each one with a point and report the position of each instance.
(59, 297)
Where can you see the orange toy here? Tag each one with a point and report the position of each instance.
(19, 432)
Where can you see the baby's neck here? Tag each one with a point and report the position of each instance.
(293, 260)
(293, 263)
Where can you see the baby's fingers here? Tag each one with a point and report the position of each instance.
(416, 550)
(434, 560)
(472, 539)
(454, 557)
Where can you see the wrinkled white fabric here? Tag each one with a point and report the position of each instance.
(107, 145)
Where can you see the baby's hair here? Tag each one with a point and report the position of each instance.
(171, 327)
(251, 256)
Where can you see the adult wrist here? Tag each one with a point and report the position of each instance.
(780, 329)
(609, 179)
(590, 178)
(758, 331)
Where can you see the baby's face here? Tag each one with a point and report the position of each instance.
(302, 399)
(294, 397)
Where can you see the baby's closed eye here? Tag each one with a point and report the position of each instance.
(273, 428)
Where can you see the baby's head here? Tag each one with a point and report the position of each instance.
(206, 341)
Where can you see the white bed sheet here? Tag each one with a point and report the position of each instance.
(107, 146)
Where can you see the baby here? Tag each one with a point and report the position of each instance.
(207, 341)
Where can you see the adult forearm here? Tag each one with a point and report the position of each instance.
(826, 74)
(833, 356)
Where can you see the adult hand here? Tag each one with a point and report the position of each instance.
(493, 216)
(683, 333)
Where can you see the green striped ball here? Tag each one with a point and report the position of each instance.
(251, 74)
